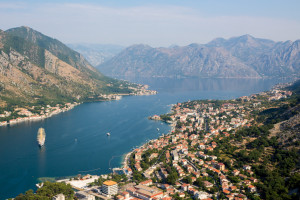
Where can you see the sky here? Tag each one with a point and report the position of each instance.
(154, 22)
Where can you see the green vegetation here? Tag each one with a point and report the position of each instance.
(165, 117)
(47, 192)
(45, 86)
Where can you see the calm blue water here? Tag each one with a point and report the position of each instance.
(76, 141)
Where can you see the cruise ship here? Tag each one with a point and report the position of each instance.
(41, 137)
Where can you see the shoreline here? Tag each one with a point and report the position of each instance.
(124, 162)
(57, 110)
(33, 118)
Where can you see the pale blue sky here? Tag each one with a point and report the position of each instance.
(154, 22)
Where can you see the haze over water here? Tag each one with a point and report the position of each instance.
(76, 141)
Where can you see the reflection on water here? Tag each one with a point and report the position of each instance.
(41, 160)
(206, 84)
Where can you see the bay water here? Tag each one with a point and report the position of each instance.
(77, 141)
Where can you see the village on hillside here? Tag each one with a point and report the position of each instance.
(195, 160)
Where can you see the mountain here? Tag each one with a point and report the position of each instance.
(96, 54)
(237, 57)
(35, 68)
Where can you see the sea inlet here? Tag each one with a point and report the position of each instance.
(77, 141)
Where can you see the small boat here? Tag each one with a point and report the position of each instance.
(157, 129)
(108, 134)
(41, 137)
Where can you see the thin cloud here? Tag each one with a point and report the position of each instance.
(154, 25)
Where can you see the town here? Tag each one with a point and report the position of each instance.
(33, 113)
(193, 161)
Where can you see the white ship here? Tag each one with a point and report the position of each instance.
(41, 137)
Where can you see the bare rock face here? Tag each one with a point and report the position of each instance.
(36, 68)
(290, 129)
(237, 57)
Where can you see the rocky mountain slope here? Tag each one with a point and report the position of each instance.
(35, 68)
(96, 54)
(243, 56)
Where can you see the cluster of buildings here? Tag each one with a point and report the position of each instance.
(277, 94)
(81, 184)
(197, 129)
(27, 115)
(190, 154)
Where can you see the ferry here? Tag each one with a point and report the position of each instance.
(41, 137)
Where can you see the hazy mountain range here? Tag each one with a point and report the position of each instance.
(237, 57)
(96, 54)
(35, 68)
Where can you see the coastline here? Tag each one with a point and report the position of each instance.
(68, 106)
(125, 158)
(39, 117)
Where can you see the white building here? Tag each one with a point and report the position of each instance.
(175, 155)
(110, 187)
(84, 196)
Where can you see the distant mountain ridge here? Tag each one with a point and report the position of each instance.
(35, 68)
(237, 57)
(96, 54)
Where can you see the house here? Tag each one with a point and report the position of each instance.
(230, 197)
(250, 172)
(196, 174)
(201, 146)
(208, 184)
(251, 188)
(193, 179)
(235, 172)
(165, 186)
(183, 162)
(153, 155)
(120, 197)
(145, 192)
(247, 182)
(181, 194)
(254, 180)
(202, 195)
(184, 187)
(138, 156)
(221, 166)
(247, 167)
(177, 184)
(138, 167)
(226, 192)
(129, 171)
(125, 195)
(147, 182)
(214, 157)
(233, 188)
(242, 176)
(84, 195)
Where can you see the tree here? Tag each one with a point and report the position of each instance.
(48, 191)
(172, 178)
